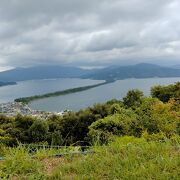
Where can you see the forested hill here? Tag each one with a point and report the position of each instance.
(177, 66)
(142, 70)
(41, 72)
(6, 83)
(110, 73)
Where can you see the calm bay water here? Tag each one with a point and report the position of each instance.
(79, 100)
(37, 87)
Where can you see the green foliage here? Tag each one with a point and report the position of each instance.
(125, 158)
(57, 130)
(161, 137)
(57, 138)
(165, 93)
(115, 108)
(133, 98)
(2, 149)
(21, 127)
(74, 126)
(155, 116)
(38, 131)
(136, 114)
(18, 163)
(6, 126)
(122, 123)
(156, 124)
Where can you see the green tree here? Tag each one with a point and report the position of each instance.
(122, 123)
(57, 139)
(156, 116)
(133, 98)
(38, 131)
(165, 93)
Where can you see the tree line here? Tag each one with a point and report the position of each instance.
(157, 116)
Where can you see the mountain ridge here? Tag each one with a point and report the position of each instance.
(141, 70)
(41, 72)
(6, 83)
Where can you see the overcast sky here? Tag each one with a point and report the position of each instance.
(88, 32)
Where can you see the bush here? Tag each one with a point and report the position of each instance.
(38, 131)
(121, 124)
(165, 93)
(133, 98)
(155, 117)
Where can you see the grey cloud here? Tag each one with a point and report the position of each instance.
(88, 32)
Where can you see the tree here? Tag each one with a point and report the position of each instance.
(124, 123)
(155, 116)
(165, 93)
(133, 98)
(38, 131)
(57, 138)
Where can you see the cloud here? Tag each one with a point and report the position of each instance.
(82, 32)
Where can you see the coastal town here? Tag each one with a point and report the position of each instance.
(11, 109)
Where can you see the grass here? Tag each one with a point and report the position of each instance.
(18, 163)
(125, 158)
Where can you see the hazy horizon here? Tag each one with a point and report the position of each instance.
(92, 67)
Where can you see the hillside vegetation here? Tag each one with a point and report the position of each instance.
(124, 158)
(136, 138)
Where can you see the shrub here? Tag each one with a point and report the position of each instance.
(121, 124)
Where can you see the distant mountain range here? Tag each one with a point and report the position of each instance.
(7, 83)
(41, 72)
(142, 70)
(177, 66)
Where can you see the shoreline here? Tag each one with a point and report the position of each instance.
(12, 109)
(27, 100)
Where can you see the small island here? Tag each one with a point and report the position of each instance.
(27, 100)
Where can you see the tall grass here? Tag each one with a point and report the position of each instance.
(18, 163)
(124, 158)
